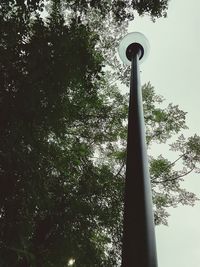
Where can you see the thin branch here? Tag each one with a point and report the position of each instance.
(171, 164)
(114, 81)
(175, 178)
(118, 173)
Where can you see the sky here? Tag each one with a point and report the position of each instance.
(173, 69)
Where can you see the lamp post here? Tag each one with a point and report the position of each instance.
(139, 246)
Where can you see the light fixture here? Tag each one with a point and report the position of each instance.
(133, 38)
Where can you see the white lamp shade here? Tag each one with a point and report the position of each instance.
(131, 38)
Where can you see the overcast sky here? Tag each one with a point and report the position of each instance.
(173, 68)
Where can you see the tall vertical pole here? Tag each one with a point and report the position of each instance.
(139, 246)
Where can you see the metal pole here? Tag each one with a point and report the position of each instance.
(139, 246)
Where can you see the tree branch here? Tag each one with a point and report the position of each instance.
(171, 164)
(175, 178)
(118, 173)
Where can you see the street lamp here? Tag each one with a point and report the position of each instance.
(139, 246)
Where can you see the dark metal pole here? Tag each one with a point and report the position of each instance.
(139, 246)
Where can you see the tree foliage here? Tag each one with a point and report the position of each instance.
(63, 133)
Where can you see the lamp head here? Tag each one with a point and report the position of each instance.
(133, 43)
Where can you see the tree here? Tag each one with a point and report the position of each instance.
(63, 134)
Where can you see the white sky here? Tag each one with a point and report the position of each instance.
(173, 68)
